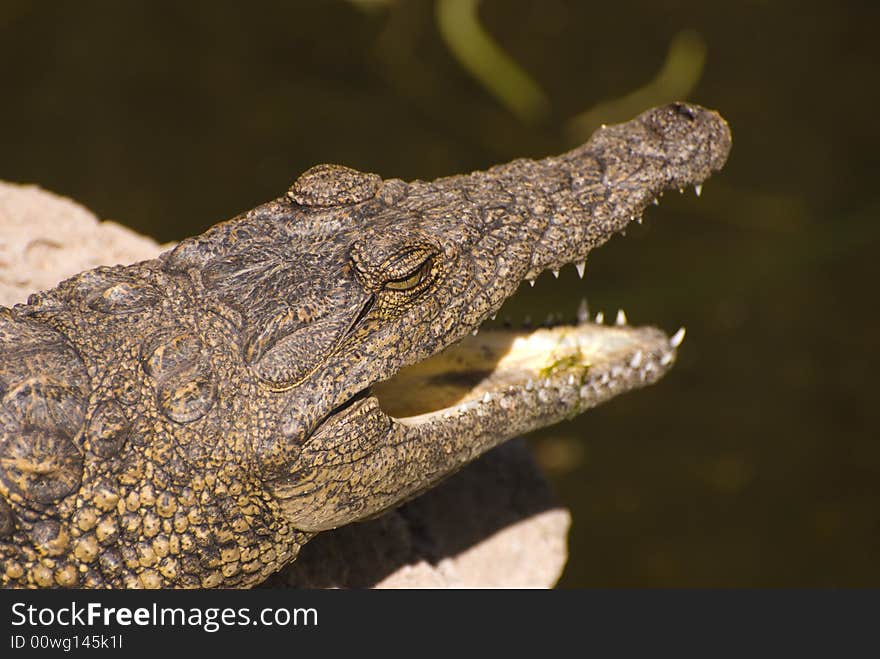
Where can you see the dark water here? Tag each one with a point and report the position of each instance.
(757, 461)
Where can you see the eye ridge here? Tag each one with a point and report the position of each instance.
(413, 279)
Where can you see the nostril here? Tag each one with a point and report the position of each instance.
(684, 110)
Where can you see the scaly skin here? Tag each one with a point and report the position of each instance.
(192, 420)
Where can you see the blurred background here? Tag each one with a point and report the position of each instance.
(756, 462)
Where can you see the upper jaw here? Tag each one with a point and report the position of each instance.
(621, 171)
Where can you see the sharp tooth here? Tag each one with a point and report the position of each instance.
(677, 338)
(531, 282)
(640, 220)
(547, 382)
(570, 380)
(476, 331)
(666, 359)
(621, 317)
(530, 385)
(486, 397)
(555, 273)
(493, 316)
(636, 360)
(698, 188)
(580, 268)
(681, 191)
(600, 317)
(583, 313)
(656, 201)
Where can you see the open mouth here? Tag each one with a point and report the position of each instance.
(505, 381)
(574, 366)
(546, 373)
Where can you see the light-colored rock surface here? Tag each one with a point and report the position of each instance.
(493, 524)
(45, 238)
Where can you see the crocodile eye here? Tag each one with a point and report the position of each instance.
(411, 280)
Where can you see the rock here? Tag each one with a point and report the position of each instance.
(494, 524)
(45, 238)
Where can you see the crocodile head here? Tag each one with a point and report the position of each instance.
(192, 420)
(358, 301)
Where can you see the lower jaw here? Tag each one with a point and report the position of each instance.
(537, 377)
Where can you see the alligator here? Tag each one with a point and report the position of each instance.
(193, 420)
